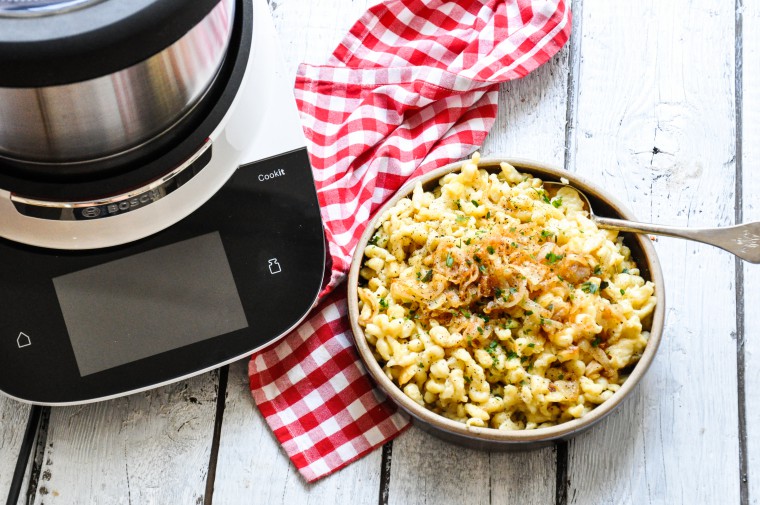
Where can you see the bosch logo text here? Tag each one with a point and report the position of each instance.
(122, 206)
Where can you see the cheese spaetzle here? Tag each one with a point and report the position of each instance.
(494, 303)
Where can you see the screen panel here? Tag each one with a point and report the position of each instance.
(149, 303)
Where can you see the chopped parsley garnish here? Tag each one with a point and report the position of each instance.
(556, 202)
(491, 350)
(462, 219)
(384, 303)
(480, 330)
(589, 287)
(490, 249)
(546, 233)
(467, 242)
(622, 291)
(531, 345)
(597, 270)
(597, 340)
(475, 203)
(476, 258)
(512, 355)
(528, 312)
(497, 292)
(465, 313)
(488, 215)
(511, 324)
(542, 194)
(449, 260)
(553, 258)
(550, 306)
(374, 239)
(604, 285)
(428, 276)
(512, 229)
(625, 270)
(459, 204)
(482, 269)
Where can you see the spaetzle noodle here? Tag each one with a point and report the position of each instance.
(496, 304)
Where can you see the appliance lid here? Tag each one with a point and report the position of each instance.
(21, 8)
(76, 40)
(224, 126)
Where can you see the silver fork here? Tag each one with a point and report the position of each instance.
(742, 240)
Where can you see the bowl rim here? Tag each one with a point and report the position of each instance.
(540, 170)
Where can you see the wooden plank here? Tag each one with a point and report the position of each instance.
(13, 418)
(750, 150)
(655, 127)
(250, 458)
(427, 470)
(150, 447)
(313, 43)
(252, 463)
(310, 31)
(530, 124)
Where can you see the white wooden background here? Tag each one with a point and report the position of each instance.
(659, 102)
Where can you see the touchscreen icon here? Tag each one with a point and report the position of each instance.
(274, 266)
(23, 340)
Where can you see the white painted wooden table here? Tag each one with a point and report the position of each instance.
(659, 102)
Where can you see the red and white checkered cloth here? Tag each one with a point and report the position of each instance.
(412, 87)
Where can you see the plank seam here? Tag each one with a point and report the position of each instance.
(571, 117)
(385, 473)
(561, 485)
(739, 265)
(22, 461)
(221, 400)
(561, 448)
(39, 454)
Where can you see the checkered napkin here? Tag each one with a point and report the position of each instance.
(412, 87)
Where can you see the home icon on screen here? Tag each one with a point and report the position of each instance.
(23, 340)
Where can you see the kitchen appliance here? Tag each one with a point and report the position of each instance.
(177, 241)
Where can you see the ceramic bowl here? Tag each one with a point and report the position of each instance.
(642, 252)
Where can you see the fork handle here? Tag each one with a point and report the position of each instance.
(742, 240)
